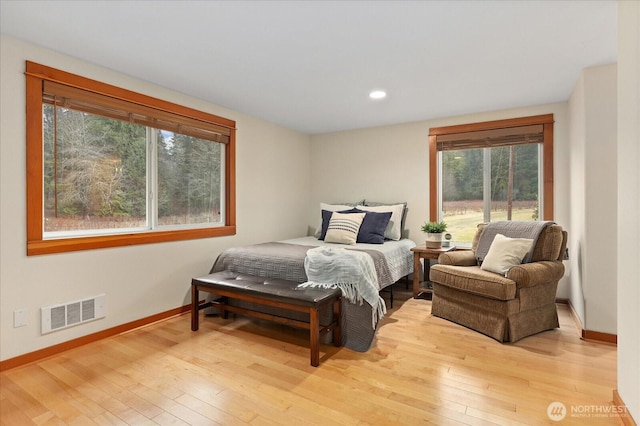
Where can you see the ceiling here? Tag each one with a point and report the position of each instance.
(310, 65)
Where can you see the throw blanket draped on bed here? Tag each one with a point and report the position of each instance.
(351, 271)
(511, 229)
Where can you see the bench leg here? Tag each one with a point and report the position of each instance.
(337, 318)
(222, 302)
(314, 338)
(195, 302)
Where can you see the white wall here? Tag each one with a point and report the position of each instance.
(391, 163)
(628, 267)
(577, 173)
(593, 165)
(142, 280)
(601, 200)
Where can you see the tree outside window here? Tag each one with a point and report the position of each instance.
(109, 167)
(491, 171)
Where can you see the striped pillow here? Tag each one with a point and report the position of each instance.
(343, 228)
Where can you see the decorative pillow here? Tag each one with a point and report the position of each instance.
(372, 228)
(505, 253)
(377, 203)
(394, 227)
(344, 227)
(326, 217)
(330, 208)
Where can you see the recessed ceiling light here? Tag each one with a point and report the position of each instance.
(378, 94)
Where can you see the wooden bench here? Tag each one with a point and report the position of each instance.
(270, 292)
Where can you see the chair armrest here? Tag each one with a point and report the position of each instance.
(458, 258)
(530, 274)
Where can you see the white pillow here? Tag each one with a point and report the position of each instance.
(505, 253)
(394, 228)
(344, 227)
(331, 208)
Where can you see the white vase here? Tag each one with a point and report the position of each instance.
(434, 241)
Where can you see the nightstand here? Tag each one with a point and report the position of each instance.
(421, 252)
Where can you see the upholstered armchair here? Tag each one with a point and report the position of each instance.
(508, 306)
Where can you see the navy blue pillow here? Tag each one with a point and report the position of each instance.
(326, 217)
(372, 228)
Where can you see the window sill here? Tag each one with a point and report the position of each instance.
(105, 241)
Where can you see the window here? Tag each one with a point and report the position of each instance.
(108, 167)
(483, 172)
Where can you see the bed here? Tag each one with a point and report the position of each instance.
(392, 260)
(285, 260)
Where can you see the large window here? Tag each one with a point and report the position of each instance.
(483, 172)
(109, 167)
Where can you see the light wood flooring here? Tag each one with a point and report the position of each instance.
(421, 369)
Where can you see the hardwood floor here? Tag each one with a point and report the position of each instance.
(421, 369)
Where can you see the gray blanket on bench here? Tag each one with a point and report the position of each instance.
(286, 261)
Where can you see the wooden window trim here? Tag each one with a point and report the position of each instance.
(36, 74)
(547, 122)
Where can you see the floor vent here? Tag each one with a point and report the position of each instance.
(65, 315)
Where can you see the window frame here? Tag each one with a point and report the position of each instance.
(35, 75)
(545, 120)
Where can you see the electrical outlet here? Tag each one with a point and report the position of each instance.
(19, 318)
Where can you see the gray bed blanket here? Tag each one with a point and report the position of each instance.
(269, 260)
(286, 261)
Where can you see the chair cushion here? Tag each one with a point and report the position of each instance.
(472, 279)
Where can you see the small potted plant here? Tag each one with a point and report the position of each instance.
(434, 231)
